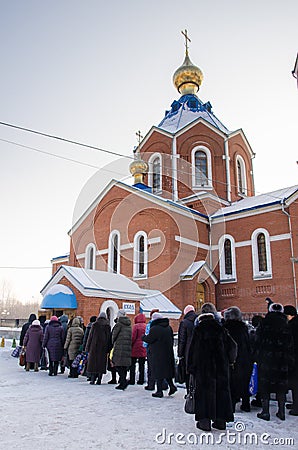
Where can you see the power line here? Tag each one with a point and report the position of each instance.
(59, 138)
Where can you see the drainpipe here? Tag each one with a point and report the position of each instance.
(283, 204)
(228, 175)
(252, 174)
(174, 170)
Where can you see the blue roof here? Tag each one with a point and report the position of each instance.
(59, 297)
(185, 111)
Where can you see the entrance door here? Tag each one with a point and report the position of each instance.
(200, 296)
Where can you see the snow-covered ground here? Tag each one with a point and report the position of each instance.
(55, 413)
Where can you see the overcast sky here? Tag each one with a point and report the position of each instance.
(97, 72)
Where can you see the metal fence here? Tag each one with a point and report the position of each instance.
(12, 323)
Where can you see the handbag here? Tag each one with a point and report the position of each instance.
(180, 371)
(82, 363)
(16, 351)
(22, 359)
(189, 406)
(253, 382)
(76, 361)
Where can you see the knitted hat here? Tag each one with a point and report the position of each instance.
(157, 315)
(276, 307)
(103, 314)
(187, 309)
(36, 322)
(121, 313)
(54, 318)
(290, 310)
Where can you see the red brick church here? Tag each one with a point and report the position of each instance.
(189, 230)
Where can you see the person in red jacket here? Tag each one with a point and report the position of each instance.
(138, 351)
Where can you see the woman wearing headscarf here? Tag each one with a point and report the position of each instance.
(98, 346)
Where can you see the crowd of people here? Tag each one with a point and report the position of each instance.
(217, 351)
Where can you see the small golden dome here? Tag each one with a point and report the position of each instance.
(138, 168)
(188, 77)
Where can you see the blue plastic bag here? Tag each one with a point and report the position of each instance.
(253, 383)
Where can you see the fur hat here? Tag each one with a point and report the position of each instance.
(55, 318)
(208, 308)
(187, 309)
(121, 313)
(233, 313)
(206, 316)
(157, 315)
(276, 307)
(290, 310)
(36, 322)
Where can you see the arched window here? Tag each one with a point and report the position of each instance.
(227, 258)
(114, 252)
(155, 173)
(140, 255)
(201, 167)
(241, 176)
(261, 254)
(90, 256)
(262, 257)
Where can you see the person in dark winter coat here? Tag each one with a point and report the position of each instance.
(64, 322)
(53, 340)
(255, 322)
(33, 343)
(160, 340)
(73, 341)
(275, 358)
(121, 341)
(87, 331)
(138, 351)
(150, 379)
(26, 326)
(211, 352)
(241, 370)
(291, 313)
(186, 327)
(98, 346)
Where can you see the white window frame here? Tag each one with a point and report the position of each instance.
(111, 252)
(243, 175)
(136, 256)
(87, 256)
(150, 174)
(257, 274)
(201, 148)
(222, 266)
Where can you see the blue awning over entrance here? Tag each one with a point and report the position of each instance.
(59, 297)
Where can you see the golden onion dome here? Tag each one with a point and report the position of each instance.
(138, 168)
(188, 77)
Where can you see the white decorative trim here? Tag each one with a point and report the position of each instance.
(136, 255)
(87, 251)
(205, 150)
(183, 240)
(280, 237)
(257, 274)
(222, 267)
(113, 306)
(110, 255)
(243, 244)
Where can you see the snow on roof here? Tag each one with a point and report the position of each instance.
(192, 270)
(100, 280)
(59, 296)
(186, 110)
(257, 201)
(155, 299)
